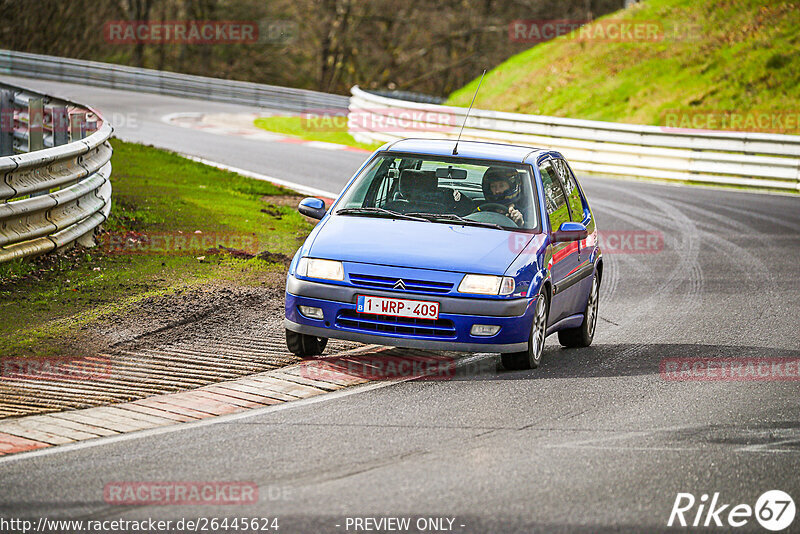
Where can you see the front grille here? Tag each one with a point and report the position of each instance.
(370, 322)
(385, 282)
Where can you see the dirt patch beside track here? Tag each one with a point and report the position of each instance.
(161, 345)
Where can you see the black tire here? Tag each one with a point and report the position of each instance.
(304, 345)
(583, 335)
(531, 358)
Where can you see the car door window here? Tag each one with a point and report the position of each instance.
(573, 193)
(555, 200)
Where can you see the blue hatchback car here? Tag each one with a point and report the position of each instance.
(476, 247)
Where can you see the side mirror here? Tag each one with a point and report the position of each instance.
(312, 207)
(570, 231)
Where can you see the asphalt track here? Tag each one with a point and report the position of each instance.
(595, 439)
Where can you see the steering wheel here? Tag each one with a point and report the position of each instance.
(495, 207)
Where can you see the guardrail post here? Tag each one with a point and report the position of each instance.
(35, 124)
(6, 123)
(60, 120)
(77, 126)
(36, 130)
(798, 176)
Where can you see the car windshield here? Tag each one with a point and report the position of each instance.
(443, 189)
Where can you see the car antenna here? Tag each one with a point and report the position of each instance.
(455, 148)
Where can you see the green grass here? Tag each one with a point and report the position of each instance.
(327, 129)
(158, 196)
(738, 57)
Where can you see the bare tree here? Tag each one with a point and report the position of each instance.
(137, 10)
(431, 46)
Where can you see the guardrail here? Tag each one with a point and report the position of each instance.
(731, 158)
(55, 186)
(166, 83)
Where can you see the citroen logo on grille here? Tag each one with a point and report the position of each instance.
(400, 285)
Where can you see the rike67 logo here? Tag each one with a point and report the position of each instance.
(774, 510)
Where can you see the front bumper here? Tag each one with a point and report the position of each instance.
(338, 303)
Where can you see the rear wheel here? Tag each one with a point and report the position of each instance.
(583, 335)
(531, 358)
(304, 345)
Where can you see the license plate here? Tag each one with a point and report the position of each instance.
(418, 309)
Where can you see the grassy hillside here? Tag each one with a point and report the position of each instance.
(717, 57)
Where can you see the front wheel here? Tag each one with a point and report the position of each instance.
(583, 335)
(531, 358)
(304, 345)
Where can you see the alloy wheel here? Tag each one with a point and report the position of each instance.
(538, 331)
(591, 308)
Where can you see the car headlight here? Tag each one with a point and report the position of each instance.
(324, 269)
(482, 284)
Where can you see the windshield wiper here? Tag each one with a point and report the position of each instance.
(381, 212)
(452, 217)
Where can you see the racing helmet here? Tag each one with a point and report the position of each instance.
(505, 174)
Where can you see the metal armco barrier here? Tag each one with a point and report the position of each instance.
(166, 83)
(718, 157)
(55, 186)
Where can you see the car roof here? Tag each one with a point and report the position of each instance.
(468, 149)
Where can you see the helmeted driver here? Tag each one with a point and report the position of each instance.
(501, 185)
